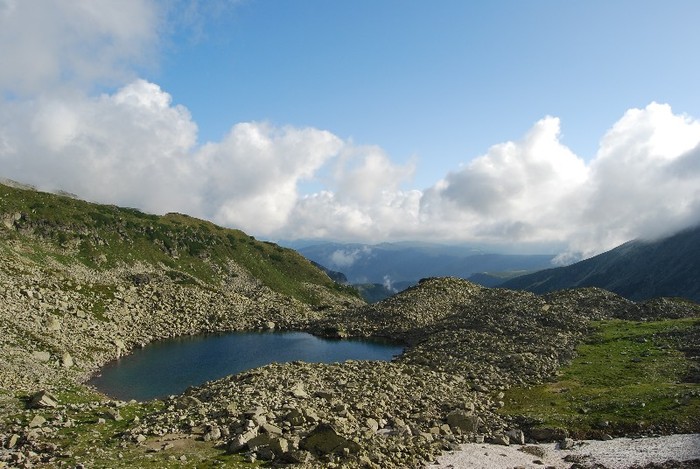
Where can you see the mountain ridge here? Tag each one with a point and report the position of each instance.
(410, 262)
(638, 270)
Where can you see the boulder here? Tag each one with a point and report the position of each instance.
(372, 424)
(463, 421)
(259, 441)
(37, 421)
(43, 400)
(271, 429)
(297, 457)
(516, 436)
(265, 453)
(113, 414)
(298, 391)
(295, 418)
(188, 402)
(567, 443)
(213, 433)
(13, 441)
(499, 440)
(241, 441)
(67, 360)
(548, 434)
(41, 356)
(279, 446)
(324, 439)
(119, 345)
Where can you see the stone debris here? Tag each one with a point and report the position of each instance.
(465, 344)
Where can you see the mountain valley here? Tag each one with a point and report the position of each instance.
(82, 284)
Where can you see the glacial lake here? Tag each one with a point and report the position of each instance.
(171, 366)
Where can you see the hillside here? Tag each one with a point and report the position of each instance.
(103, 237)
(637, 270)
(83, 284)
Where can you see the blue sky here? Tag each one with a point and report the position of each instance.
(550, 126)
(441, 81)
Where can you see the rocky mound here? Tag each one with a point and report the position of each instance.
(465, 345)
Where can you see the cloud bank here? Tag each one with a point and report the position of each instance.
(132, 146)
(52, 43)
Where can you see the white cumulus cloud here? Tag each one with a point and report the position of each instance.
(644, 181)
(519, 190)
(49, 43)
(254, 173)
(133, 147)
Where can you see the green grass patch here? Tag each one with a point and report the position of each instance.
(628, 377)
(95, 439)
(105, 236)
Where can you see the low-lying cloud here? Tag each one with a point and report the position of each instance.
(344, 258)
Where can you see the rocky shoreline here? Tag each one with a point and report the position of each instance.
(465, 346)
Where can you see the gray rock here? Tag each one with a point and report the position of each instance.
(212, 434)
(372, 424)
(265, 453)
(263, 439)
(271, 429)
(324, 394)
(295, 418)
(239, 442)
(41, 356)
(499, 440)
(463, 421)
(43, 400)
(567, 443)
(113, 414)
(67, 360)
(298, 391)
(279, 446)
(516, 437)
(12, 442)
(324, 439)
(119, 345)
(297, 457)
(548, 434)
(37, 421)
(188, 402)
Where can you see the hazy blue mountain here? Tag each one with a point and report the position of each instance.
(494, 279)
(637, 270)
(390, 264)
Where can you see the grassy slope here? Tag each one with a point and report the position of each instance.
(637, 270)
(104, 236)
(628, 377)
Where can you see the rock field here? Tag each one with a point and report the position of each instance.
(465, 344)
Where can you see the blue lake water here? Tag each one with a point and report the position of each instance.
(171, 366)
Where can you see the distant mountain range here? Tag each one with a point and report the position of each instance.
(637, 270)
(393, 267)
